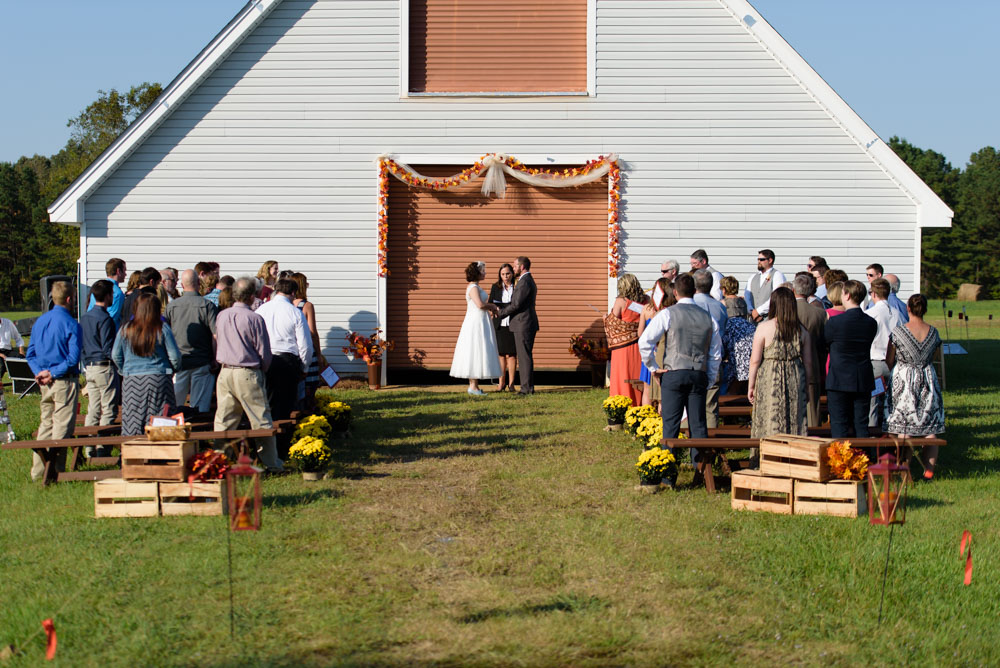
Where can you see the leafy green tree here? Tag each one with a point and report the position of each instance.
(979, 211)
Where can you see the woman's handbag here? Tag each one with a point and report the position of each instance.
(619, 332)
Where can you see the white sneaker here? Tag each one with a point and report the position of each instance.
(477, 393)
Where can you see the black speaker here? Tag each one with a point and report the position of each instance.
(45, 289)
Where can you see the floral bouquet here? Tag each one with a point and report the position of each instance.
(209, 465)
(316, 426)
(337, 414)
(847, 463)
(635, 415)
(589, 350)
(654, 465)
(310, 454)
(368, 348)
(615, 407)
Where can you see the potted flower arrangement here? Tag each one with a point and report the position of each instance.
(654, 465)
(312, 456)
(315, 426)
(337, 415)
(650, 431)
(596, 352)
(634, 417)
(614, 408)
(370, 349)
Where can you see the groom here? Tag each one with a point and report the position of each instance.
(523, 322)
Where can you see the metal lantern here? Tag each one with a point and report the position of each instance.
(243, 489)
(887, 484)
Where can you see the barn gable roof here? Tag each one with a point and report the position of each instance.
(931, 211)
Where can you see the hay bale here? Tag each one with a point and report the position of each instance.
(969, 292)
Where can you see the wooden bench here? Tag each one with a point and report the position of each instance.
(712, 447)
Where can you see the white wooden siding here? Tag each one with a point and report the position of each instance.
(271, 157)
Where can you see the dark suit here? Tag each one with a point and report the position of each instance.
(814, 321)
(850, 381)
(523, 325)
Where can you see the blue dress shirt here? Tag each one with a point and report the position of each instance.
(115, 310)
(55, 344)
(98, 335)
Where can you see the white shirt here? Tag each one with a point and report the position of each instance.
(287, 328)
(716, 290)
(821, 291)
(505, 298)
(657, 329)
(10, 338)
(775, 277)
(887, 319)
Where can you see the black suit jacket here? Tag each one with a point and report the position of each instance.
(522, 306)
(850, 337)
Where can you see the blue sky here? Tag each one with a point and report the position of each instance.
(919, 69)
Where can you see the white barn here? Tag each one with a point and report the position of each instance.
(265, 147)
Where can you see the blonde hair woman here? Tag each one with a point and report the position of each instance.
(659, 300)
(625, 362)
(267, 276)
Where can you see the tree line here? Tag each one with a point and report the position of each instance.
(968, 252)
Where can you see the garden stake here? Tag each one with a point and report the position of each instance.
(885, 572)
(966, 325)
(944, 312)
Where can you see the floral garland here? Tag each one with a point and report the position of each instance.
(389, 166)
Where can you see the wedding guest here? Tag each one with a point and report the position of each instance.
(736, 306)
(267, 276)
(147, 356)
(872, 272)
(115, 270)
(761, 284)
(895, 303)
(703, 284)
(291, 352)
(887, 320)
(691, 360)
(669, 269)
(244, 351)
(836, 303)
(523, 322)
(737, 347)
(501, 293)
(102, 379)
(192, 321)
(476, 356)
(307, 388)
(168, 279)
(54, 355)
(226, 299)
(208, 281)
(815, 261)
(699, 261)
(780, 370)
(814, 321)
(850, 381)
(914, 406)
(133, 282)
(10, 339)
(625, 360)
(661, 297)
(149, 283)
(819, 273)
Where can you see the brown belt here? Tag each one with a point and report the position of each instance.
(231, 366)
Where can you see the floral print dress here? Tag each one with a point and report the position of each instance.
(780, 391)
(914, 406)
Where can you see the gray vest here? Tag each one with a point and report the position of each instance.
(761, 289)
(689, 337)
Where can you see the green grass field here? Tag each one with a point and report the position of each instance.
(506, 531)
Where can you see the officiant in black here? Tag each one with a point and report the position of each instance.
(500, 294)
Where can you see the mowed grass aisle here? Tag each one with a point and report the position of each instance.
(506, 531)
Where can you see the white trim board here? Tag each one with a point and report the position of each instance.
(68, 207)
(931, 211)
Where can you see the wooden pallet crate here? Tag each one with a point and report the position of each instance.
(799, 457)
(200, 498)
(120, 498)
(840, 498)
(164, 460)
(751, 490)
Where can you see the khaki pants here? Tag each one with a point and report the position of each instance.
(102, 394)
(58, 418)
(240, 391)
(812, 406)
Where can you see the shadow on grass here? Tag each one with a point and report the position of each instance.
(561, 603)
(301, 498)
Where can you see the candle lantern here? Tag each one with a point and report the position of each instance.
(243, 490)
(887, 483)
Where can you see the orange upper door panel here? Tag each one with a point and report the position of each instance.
(474, 46)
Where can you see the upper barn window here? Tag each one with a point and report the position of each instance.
(482, 47)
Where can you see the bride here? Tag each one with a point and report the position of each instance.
(476, 351)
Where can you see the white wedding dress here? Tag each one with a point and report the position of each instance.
(476, 350)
